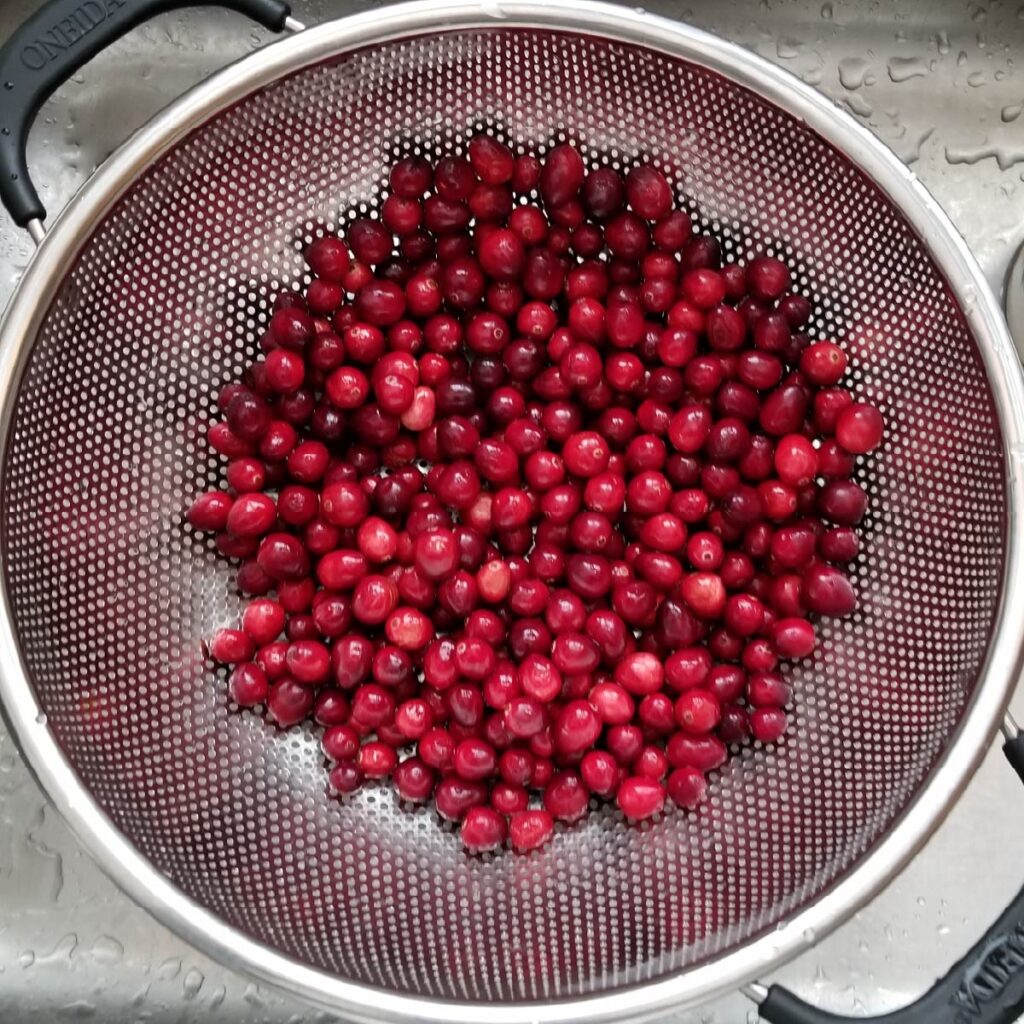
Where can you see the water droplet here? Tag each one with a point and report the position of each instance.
(809, 936)
(961, 59)
(858, 105)
(853, 72)
(253, 996)
(218, 997)
(169, 969)
(942, 42)
(901, 69)
(821, 979)
(77, 1010)
(921, 901)
(193, 983)
(976, 79)
(107, 950)
(788, 49)
(27, 959)
(63, 950)
(943, 929)
(826, 12)
(1005, 156)
(41, 718)
(1011, 112)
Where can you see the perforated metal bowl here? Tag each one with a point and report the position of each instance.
(151, 291)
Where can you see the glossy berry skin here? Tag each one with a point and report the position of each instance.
(860, 428)
(483, 829)
(530, 830)
(639, 798)
(687, 787)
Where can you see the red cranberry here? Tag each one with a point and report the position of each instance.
(639, 797)
(289, 702)
(859, 428)
(768, 724)
(530, 830)
(697, 711)
(566, 797)
(248, 685)
(345, 778)
(483, 829)
(687, 787)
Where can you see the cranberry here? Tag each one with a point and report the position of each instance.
(248, 685)
(454, 797)
(566, 797)
(374, 599)
(282, 557)
(843, 501)
(414, 780)
(704, 752)
(483, 829)
(289, 702)
(648, 193)
(793, 637)
(345, 778)
(687, 787)
(530, 830)
(697, 711)
(639, 797)
(859, 428)
(767, 278)
(828, 591)
(768, 724)
(823, 363)
(577, 728)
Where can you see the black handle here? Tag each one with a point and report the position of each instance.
(50, 47)
(985, 987)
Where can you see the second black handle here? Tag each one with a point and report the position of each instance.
(985, 987)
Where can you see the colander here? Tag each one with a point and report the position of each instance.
(150, 291)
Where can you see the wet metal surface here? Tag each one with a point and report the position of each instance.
(941, 82)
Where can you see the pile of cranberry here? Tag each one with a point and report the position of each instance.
(532, 494)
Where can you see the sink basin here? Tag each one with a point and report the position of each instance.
(936, 81)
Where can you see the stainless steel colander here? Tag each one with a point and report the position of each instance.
(151, 291)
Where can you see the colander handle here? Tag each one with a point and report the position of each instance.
(50, 47)
(985, 987)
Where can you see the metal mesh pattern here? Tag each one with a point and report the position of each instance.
(112, 592)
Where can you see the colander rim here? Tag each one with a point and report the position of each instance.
(744, 962)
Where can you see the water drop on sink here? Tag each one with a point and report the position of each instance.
(853, 72)
(901, 69)
(942, 42)
(826, 12)
(1011, 113)
(193, 983)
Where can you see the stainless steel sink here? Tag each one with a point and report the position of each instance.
(938, 80)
